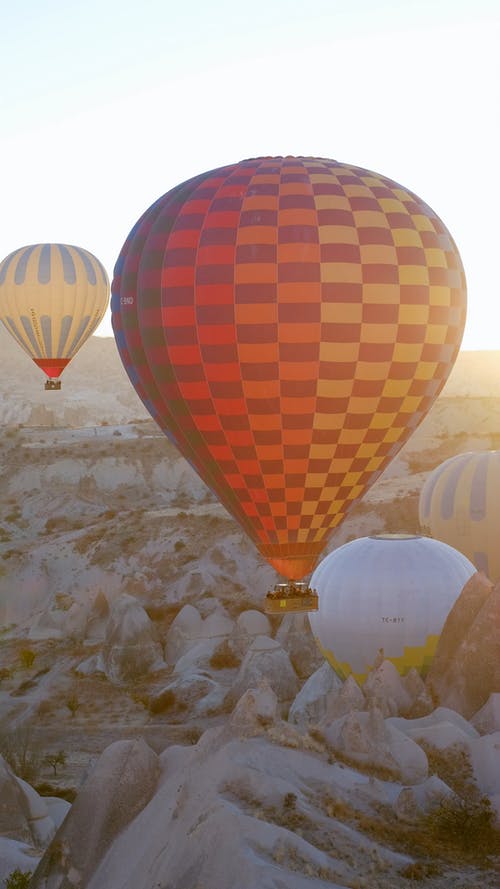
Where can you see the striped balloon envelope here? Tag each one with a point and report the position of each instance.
(52, 298)
(289, 322)
(460, 504)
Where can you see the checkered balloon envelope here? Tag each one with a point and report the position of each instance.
(288, 322)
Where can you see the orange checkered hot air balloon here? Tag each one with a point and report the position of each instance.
(288, 322)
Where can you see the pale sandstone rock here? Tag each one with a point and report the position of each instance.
(265, 659)
(295, 637)
(438, 716)
(183, 631)
(365, 738)
(249, 625)
(119, 786)
(419, 800)
(466, 666)
(421, 701)
(130, 648)
(385, 689)
(15, 855)
(487, 719)
(13, 815)
(485, 759)
(310, 704)
(344, 700)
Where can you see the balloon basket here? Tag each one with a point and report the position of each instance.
(291, 598)
(50, 385)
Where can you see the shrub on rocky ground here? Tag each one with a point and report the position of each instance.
(465, 824)
(21, 750)
(18, 879)
(224, 657)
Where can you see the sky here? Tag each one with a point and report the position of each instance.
(107, 104)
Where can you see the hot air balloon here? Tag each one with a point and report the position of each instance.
(460, 504)
(387, 595)
(288, 322)
(52, 298)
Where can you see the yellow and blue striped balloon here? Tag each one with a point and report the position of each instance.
(52, 298)
(460, 505)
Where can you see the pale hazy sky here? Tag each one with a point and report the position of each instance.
(107, 104)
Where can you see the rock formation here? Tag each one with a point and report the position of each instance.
(131, 648)
(265, 659)
(466, 666)
(310, 705)
(365, 738)
(120, 785)
(487, 719)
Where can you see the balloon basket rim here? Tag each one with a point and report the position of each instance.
(291, 598)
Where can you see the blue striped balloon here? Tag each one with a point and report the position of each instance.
(52, 298)
(460, 505)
